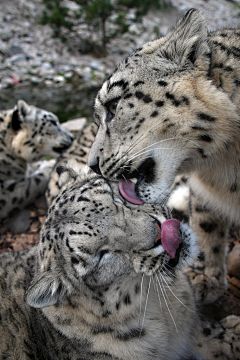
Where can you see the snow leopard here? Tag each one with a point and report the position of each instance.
(106, 282)
(27, 135)
(170, 108)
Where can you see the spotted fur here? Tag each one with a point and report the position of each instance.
(75, 156)
(172, 107)
(27, 134)
(98, 287)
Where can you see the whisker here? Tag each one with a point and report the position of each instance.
(144, 314)
(138, 153)
(161, 288)
(152, 145)
(140, 311)
(147, 156)
(173, 292)
(187, 261)
(160, 302)
(184, 138)
(165, 199)
(172, 280)
(165, 291)
(142, 137)
(124, 177)
(160, 141)
(142, 151)
(125, 166)
(169, 272)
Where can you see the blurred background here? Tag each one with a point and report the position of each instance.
(55, 54)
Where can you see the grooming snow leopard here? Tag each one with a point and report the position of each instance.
(104, 287)
(173, 107)
(27, 134)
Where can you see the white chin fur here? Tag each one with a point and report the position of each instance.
(179, 199)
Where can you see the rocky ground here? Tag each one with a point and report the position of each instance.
(57, 76)
(29, 54)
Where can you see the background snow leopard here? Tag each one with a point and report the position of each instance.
(27, 134)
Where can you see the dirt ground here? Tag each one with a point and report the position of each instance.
(228, 304)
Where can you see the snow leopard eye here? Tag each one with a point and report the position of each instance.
(111, 107)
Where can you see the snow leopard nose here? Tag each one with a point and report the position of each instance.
(95, 167)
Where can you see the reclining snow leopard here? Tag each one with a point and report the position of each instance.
(106, 283)
(27, 134)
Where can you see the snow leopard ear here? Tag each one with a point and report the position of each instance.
(23, 108)
(66, 175)
(188, 41)
(19, 115)
(16, 121)
(46, 290)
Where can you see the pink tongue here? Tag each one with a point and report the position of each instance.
(170, 236)
(126, 189)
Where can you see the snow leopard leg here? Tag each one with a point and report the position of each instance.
(208, 274)
(219, 340)
(16, 195)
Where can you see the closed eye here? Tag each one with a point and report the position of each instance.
(51, 122)
(102, 253)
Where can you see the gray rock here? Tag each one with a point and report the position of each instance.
(59, 79)
(7, 82)
(47, 74)
(18, 58)
(46, 65)
(98, 76)
(74, 125)
(32, 46)
(95, 64)
(87, 74)
(3, 48)
(79, 71)
(48, 83)
(5, 34)
(35, 80)
(15, 49)
(68, 75)
(8, 17)
(34, 70)
(63, 68)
